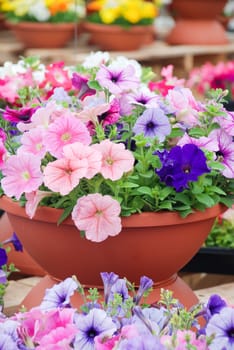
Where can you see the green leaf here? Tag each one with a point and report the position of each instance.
(94, 85)
(67, 211)
(165, 192)
(129, 185)
(205, 199)
(145, 190)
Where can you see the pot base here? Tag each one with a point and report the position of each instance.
(181, 291)
(197, 32)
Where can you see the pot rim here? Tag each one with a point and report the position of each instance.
(145, 219)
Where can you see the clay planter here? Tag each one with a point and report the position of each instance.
(42, 35)
(197, 23)
(157, 245)
(117, 38)
(22, 260)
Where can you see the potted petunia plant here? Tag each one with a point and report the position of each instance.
(100, 160)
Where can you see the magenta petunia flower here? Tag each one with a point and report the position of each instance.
(22, 115)
(63, 175)
(65, 130)
(117, 80)
(3, 153)
(98, 216)
(22, 174)
(116, 160)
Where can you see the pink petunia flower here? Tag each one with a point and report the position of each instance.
(21, 174)
(33, 199)
(185, 106)
(63, 175)
(203, 142)
(32, 142)
(77, 151)
(59, 338)
(65, 130)
(116, 160)
(98, 216)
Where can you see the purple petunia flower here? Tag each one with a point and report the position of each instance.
(153, 123)
(3, 278)
(117, 80)
(9, 338)
(59, 295)
(145, 284)
(15, 241)
(108, 280)
(181, 165)
(61, 95)
(222, 326)
(215, 305)
(94, 324)
(142, 342)
(3, 257)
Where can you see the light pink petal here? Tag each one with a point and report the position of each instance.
(22, 174)
(64, 175)
(33, 200)
(79, 151)
(65, 130)
(98, 216)
(116, 159)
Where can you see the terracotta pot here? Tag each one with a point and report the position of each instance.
(42, 35)
(117, 38)
(197, 22)
(22, 260)
(157, 245)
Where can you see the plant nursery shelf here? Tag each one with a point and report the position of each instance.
(153, 54)
(212, 260)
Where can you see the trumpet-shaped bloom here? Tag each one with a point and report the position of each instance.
(116, 160)
(77, 151)
(59, 295)
(153, 123)
(225, 151)
(63, 174)
(222, 325)
(182, 165)
(117, 80)
(63, 131)
(95, 323)
(98, 216)
(22, 174)
(32, 142)
(33, 199)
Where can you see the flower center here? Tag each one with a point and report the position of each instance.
(25, 175)
(186, 169)
(109, 161)
(92, 333)
(66, 136)
(150, 125)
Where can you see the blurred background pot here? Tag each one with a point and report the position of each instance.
(197, 22)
